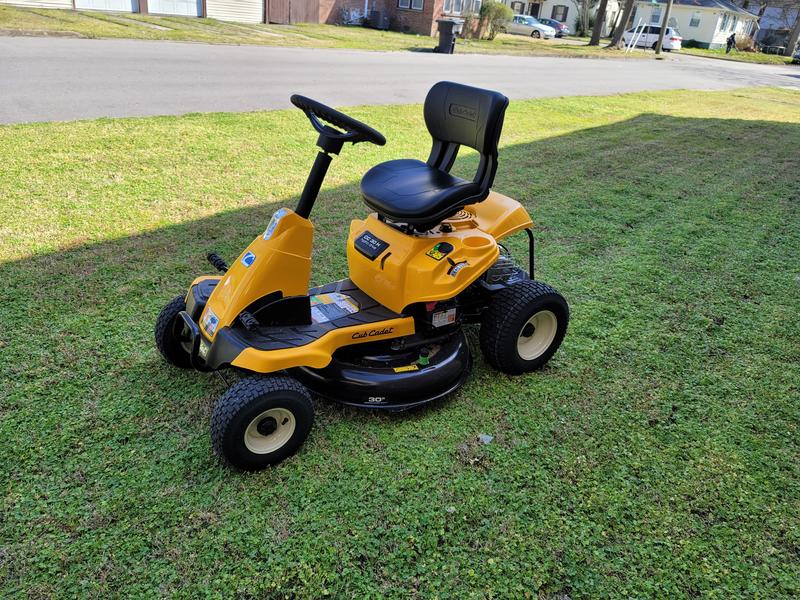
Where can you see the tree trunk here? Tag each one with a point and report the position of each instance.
(619, 30)
(599, 21)
(793, 37)
(762, 8)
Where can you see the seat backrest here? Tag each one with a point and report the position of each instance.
(457, 115)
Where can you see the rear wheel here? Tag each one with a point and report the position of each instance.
(169, 332)
(655, 45)
(536, 34)
(523, 327)
(260, 421)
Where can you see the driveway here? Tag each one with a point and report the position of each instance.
(45, 79)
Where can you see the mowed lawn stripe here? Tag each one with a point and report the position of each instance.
(656, 456)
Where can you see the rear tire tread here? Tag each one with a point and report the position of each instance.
(499, 330)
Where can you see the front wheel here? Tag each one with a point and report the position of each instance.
(260, 421)
(523, 327)
(535, 34)
(169, 334)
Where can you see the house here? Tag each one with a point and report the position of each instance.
(777, 19)
(565, 11)
(411, 16)
(416, 16)
(701, 23)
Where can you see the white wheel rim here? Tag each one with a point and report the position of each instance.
(537, 334)
(259, 443)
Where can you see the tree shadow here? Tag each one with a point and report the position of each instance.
(78, 334)
(673, 239)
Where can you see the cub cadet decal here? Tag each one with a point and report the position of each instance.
(372, 333)
(248, 259)
(440, 250)
(464, 112)
(406, 369)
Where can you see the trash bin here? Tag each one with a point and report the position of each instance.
(447, 37)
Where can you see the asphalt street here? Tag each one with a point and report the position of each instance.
(45, 79)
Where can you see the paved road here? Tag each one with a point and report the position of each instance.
(43, 79)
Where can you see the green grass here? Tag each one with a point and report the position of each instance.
(751, 57)
(88, 24)
(656, 456)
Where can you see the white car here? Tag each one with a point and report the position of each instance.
(649, 37)
(525, 25)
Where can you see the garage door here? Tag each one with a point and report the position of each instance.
(117, 5)
(188, 8)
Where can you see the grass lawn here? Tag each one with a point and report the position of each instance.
(656, 456)
(27, 21)
(751, 57)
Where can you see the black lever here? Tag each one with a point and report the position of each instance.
(217, 262)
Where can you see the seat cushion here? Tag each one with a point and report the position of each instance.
(412, 192)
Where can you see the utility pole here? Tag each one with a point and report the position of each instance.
(664, 24)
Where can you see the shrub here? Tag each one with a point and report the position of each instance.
(746, 43)
(587, 31)
(496, 15)
(469, 28)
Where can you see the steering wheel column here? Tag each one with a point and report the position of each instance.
(330, 140)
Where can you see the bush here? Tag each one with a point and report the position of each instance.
(469, 29)
(745, 43)
(496, 15)
(581, 32)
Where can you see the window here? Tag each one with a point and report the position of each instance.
(734, 21)
(560, 12)
(655, 16)
(448, 6)
(412, 4)
(723, 24)
(458, 6)
(695, 20)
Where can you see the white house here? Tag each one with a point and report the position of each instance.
(701, 23)
(246, 11)
(566, 11)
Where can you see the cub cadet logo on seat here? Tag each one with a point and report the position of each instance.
(358, 335)
(464, 112)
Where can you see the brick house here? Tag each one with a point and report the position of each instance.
(414, 16)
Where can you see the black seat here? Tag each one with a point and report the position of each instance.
(424, 194)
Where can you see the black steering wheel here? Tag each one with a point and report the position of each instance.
(354, 131)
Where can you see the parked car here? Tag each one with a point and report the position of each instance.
(649, 37)
(525, 25)
(796, 57)
(561, 29)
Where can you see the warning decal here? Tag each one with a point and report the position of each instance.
(329, 307)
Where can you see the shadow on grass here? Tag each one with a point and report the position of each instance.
(670, 237)
(592, 191)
